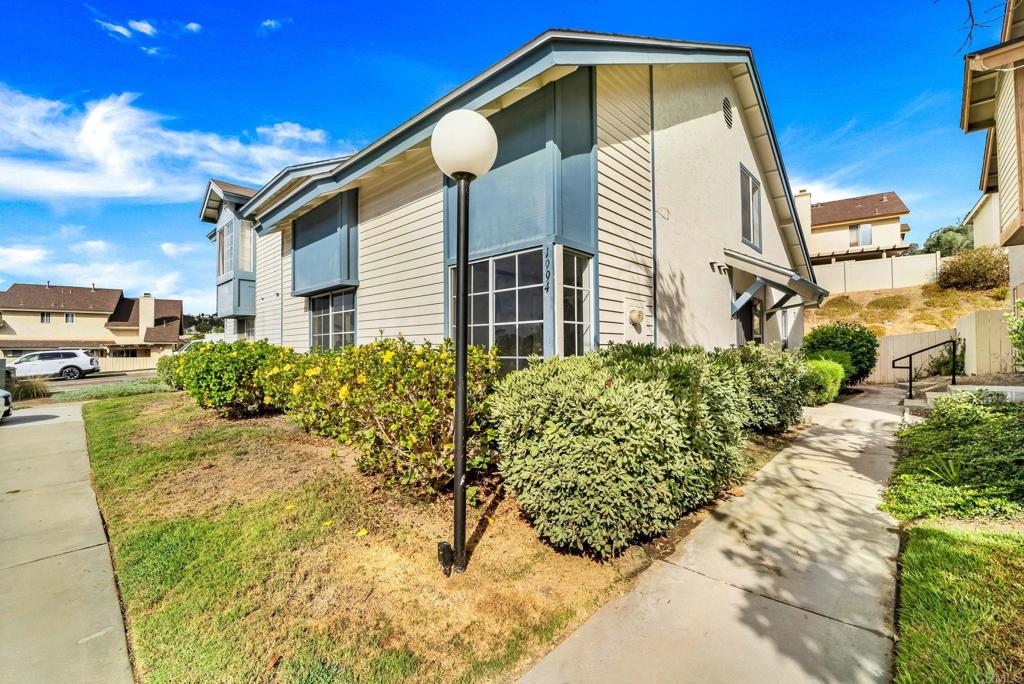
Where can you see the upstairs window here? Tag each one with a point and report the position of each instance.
(225, 248)
(333, 319)
(69, 318)
(44, 316)
(245, 246)
(860, 235)
(750, 209)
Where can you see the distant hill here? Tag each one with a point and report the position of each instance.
(907, 309)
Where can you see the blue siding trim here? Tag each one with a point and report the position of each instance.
(550, 287)
(325, 246)
(323, 289)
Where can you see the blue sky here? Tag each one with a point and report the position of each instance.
(113, 114)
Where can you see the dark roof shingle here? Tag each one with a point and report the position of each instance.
(234, 188)
(30, 297)
(857, 208)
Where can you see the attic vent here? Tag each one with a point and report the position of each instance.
(727, 111)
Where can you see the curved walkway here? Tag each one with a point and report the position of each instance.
(793, 582)
(61, 621)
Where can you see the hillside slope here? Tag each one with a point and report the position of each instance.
(906, 310)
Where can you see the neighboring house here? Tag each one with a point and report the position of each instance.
(34, 317)
(984, 220)
(855, 228)
(639, 195)
(993, 99)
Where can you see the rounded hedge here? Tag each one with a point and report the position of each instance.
(222, 376)
(822, 381)
(855, 339)
(776, 396)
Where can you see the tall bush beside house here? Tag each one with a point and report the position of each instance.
(822, 381)
(855, 339)
(777, 385)
(1015, 331)
(982, 268)
(222, 376)
(167, 370)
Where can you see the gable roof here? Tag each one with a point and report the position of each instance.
(166, 312)
(857, 209)
(168, 318)
(550, 56)
(31, 297)
(219, 191)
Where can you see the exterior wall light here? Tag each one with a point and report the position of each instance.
(464, 146)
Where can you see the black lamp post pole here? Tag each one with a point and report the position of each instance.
(461, 351)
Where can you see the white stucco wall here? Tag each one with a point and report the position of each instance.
(985, 221)
(884, 233)
(697, 162)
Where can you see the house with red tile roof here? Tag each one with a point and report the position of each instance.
(854, 228)
(101, 320)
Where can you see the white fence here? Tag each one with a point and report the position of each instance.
(987, 343)
(894, 346)
(127, 363)
(878, 274)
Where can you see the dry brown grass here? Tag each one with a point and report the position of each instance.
(905, 310)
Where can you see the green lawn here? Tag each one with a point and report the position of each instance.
(961, 607)
(248, 551)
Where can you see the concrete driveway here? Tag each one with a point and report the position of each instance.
(61, 617)
(792, 583)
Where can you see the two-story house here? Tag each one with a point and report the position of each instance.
(854, 228)
(993, 98)
(37, 317)
(639, 194)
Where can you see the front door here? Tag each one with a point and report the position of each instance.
(752, 320)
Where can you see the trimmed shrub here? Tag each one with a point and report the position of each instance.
(392, 399)
(859, 342)
(611, 447)
(982, 268)
(167, 370)
(222, 376)
(822, 381)
(777, 391)
(843, 358)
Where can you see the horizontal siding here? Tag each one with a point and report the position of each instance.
(1006, 151)
(268, 287)
(294, 310)
(625, 232)
(401, 253)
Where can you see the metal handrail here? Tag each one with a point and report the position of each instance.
(910, 364)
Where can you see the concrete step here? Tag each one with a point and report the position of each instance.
(915, 403)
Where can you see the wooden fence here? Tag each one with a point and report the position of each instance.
(894, 346)
(127, 363)
(987, 342)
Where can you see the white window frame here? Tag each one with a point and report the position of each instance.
(584, 321)
(750, 190)
(44, 316)
(69, 317)
(858, 232)
(316, 339)
(225, 248)
(518, 360)
(245, 246)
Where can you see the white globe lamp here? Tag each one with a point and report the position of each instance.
(464, 143)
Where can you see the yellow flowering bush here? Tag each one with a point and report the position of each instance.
(223, 376)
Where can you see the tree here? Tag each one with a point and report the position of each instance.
(949, 240)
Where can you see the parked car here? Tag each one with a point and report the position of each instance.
(6, 404)
(69, 364)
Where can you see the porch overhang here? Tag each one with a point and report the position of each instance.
(784, 280)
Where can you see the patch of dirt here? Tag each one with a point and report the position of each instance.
(261, 466)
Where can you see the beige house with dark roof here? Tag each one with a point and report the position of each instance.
(101, 320)
(855, 228)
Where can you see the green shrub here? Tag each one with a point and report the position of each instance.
(859, 342)
(843, 358)
(30, 388)
(942, 363)
(1015, 330)
(777, 386)
(392, 399)
(823, 381)
(221, 376)
(965, 460)
(982, 268)
(167, 370)
(608, 448)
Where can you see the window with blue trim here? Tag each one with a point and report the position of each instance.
(333, 319)
(506, 306)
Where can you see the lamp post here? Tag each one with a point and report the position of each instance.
(464, 146)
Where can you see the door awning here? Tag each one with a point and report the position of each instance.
(784, 279)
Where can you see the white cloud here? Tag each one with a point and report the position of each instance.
(93, 247)
(69, 230)
(828, 189)
(270, 24)
(151, 51)
(111, 148)
(193, 27)
(114, 29)
(177, 249)
(143, 26)
(15, 258)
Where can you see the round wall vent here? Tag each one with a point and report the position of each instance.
(727, 111)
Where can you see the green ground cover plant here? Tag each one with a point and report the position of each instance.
(116, 389)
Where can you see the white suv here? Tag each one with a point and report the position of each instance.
(69, 364)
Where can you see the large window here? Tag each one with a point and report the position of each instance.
(860, 235)
(750, 209)
(576, 303)
(333, 319)
(245, 246)
(225, 248)
(506, 306)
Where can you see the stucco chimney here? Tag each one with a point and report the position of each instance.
(802, 200)
(147, 313)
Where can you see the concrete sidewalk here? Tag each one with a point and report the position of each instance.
(61, 621)
(793, 582)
